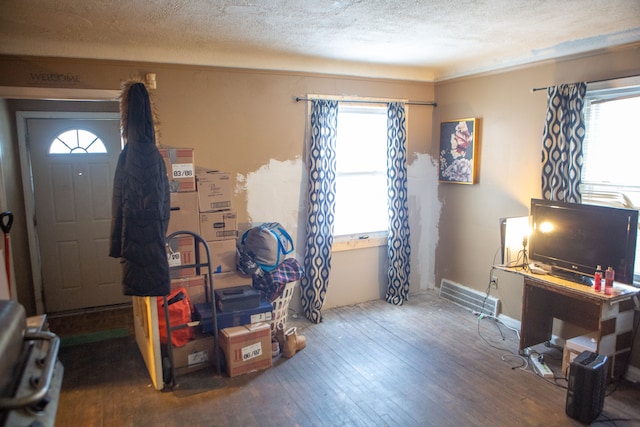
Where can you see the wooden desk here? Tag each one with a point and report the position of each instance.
(547, 297)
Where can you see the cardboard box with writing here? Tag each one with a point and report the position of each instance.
(214, 190)
(223, 255)
(184, 213)
(220, 225)
(194, 355)
(181, 251)
(180, 167)
(247, 348)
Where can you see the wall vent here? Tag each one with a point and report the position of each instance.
(469, 298)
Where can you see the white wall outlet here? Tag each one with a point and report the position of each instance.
(494, 282)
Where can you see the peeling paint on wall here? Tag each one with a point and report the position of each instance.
(424, 216)
(273, 193)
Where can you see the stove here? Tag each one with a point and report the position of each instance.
(30, 372)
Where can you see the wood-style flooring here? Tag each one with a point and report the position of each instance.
(426, 363)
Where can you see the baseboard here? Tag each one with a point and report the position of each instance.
(509, 321)
(515, 324)
(633, 374)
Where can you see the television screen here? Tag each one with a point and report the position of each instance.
(573, 239)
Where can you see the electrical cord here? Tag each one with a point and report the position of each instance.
(500, 322)
(556, 378)
(481, 315)
(606, 419)
(509, 354)
(525, 257)
(522, 261)
(522, 258)
(524, 366)
(525, 361)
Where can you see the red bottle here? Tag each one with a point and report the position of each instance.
(597, 279)
(609, 275)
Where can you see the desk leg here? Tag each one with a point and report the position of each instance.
(537, 316)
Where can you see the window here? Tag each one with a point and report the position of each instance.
(361, 166)
(77, 141)
(611, 151)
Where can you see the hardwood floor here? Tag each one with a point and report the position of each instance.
(426, 363)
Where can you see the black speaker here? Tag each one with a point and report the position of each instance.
(587, 384)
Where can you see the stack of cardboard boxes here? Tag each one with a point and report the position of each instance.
(201, 203)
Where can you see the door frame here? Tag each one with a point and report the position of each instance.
(27, 187)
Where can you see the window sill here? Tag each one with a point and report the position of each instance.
(348, 243)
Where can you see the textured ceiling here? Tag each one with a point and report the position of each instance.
(426, 40)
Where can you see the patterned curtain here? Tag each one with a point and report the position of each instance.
(321, 205)
(562, 143)
(398, 245)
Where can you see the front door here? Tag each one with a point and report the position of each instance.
(73, 162)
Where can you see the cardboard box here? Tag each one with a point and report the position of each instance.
(214, 191)
(220, 225)
(230, 280)
(574, 346)
(180, 168)
(184, 213)
(247, 348)
(181, 251)
(223, 255)
(194, 285)
(194, 355)
(263, 313)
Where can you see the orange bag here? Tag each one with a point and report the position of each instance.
(180, 309)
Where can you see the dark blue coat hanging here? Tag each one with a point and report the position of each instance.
(141, 200)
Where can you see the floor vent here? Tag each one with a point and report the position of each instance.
(469, 298)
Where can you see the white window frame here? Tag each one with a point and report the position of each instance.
(363, 239)
(76, 142)
(612, 194)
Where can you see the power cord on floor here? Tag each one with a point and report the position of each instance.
(524, 365)
(605, 419)
(522, 261)
(482, 315)
(509, 354)
(556, 378)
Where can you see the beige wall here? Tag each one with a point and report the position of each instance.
(512, 121)
(247, 123)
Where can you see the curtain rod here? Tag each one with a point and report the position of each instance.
(535, 89)
(362, 101)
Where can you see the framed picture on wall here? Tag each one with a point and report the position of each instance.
(458, 151)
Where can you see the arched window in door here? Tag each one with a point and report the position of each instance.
(77, 141)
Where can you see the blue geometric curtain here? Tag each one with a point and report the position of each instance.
(321, 202)
(398, 245)
(562, 143)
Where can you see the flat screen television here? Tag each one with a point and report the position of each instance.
(573, 239)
